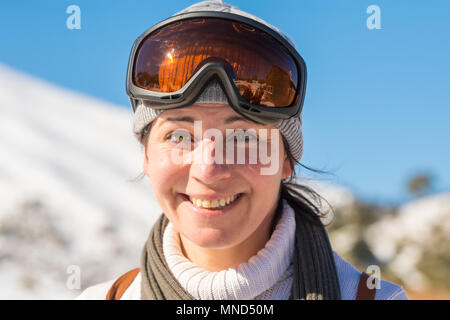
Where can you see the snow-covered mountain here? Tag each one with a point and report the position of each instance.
(66, 161)
(412, 238)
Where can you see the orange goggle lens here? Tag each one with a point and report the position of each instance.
(261, 68)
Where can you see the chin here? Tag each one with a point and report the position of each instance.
(212, 238)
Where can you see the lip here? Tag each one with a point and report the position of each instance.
(211, 212)
(210, 197)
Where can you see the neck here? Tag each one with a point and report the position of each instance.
(222, 259)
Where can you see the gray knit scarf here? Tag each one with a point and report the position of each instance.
(315, 275)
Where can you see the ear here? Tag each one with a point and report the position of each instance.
(146, 164)
(287, 169)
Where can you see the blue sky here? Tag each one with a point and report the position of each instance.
(377, 107)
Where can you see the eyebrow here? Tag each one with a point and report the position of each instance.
(234, 119)
(191, 120)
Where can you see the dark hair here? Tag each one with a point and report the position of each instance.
(303, 199)
(297, 194)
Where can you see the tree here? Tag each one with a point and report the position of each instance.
(420, 184)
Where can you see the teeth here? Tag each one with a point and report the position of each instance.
(214, 203)
(206, 204)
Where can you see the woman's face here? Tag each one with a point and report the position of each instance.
(176, 183)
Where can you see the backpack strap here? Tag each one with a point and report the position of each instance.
(121, 285)
(364, 293)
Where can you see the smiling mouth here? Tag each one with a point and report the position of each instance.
(214, 204)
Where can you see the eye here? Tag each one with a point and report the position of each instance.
(243, 136)
(179, 136)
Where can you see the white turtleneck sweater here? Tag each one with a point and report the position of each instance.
(267, 275)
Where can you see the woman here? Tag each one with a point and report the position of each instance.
(211, 75)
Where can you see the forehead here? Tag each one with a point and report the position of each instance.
(210, 114)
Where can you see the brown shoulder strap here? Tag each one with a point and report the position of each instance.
(364, 293)
(121, 285)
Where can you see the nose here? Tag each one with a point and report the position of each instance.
(205, 167)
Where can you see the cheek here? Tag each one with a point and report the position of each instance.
(265, 179)
(262, 164)
(162, 171)
(264, 188)
(261, 182)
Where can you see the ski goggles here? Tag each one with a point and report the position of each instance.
(262, 74)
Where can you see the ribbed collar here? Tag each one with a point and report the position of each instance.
(246, 281)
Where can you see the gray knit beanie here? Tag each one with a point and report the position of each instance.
(290, 129)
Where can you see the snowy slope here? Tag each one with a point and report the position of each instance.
(401, 240)
(65, 195)
(73, 155)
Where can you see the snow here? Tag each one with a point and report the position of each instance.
(399, 239)
(74, 156)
